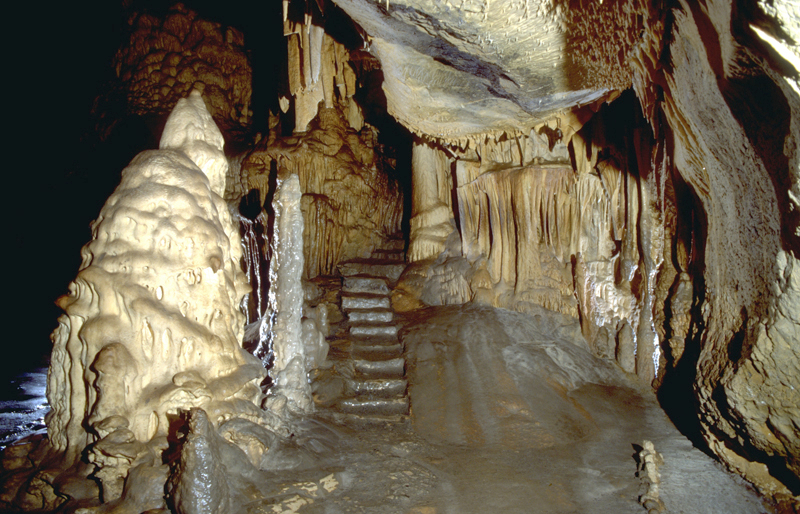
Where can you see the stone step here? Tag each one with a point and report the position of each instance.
(374, 406)
(368, 341)
(377, 352)
(371, 316)
(373, 267)
(395, 243)
(378, 388)
(365, 284)
(389, 254)
(390, 368)
(369, 330)
(363, 301)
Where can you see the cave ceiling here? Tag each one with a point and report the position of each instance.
(454, 69)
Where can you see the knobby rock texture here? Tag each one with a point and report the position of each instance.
(168, 56)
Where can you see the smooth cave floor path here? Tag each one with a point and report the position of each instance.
(509, 414)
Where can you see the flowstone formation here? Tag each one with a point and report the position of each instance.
(675, 229)
(350, 201)
(152, 321)
(152, 331)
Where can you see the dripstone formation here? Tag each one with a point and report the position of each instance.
(625, 175)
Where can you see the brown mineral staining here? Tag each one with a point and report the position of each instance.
(350, 204)
(165, 58)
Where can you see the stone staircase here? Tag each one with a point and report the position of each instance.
(367, 355)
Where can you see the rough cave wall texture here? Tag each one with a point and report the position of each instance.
(350, 203)
(676, 230)
(168, 56)
(709, 241)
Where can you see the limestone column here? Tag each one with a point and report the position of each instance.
(431, 206)
(290, 391)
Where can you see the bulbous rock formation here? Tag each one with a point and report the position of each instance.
(166, 58)
(152, 324)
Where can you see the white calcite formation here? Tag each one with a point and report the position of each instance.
(649, 462)
(320, 72)
(349, 201)
(432, 210)
(152, 325)
(535, 231)
(290, 391)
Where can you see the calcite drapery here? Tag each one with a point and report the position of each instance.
(319, 72)
(152, 323)
(431, 206)
(350, 202)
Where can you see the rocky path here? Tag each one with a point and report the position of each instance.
(368, 378)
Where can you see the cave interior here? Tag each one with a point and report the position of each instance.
(409, 256)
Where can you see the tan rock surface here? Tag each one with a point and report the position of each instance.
(714, 194)
(350, 203)
(165, 58)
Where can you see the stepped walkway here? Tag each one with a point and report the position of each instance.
(369, 363)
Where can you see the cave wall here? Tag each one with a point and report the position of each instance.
(350, 201)
(165, 57)
(694, 226)
(351, 197)
(672, 234)
(731, 116)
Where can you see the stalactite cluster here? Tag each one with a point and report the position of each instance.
(350, 204)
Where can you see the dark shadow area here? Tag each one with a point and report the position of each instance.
(762, 110)
(676, 394)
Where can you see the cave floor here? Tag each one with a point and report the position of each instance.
(390, 469)
(507, 415)
(541, 462)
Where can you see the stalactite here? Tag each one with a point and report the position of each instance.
(349, 203)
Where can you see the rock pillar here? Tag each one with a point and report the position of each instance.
(290, 391)
(431, 205)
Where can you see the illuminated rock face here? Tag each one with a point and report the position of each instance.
(500, 65)
(152, 324)
(680, 238)
(290, 391)
(674, 232)
(349, 201)
(735, 122)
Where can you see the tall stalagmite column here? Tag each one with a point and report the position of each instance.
(152, 324)
(291, 391)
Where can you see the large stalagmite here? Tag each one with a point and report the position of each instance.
(152, 324)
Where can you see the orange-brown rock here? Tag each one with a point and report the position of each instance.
(350, 204)
(165, 58)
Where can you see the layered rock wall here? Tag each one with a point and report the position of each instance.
(744, 178)
(350, 202)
